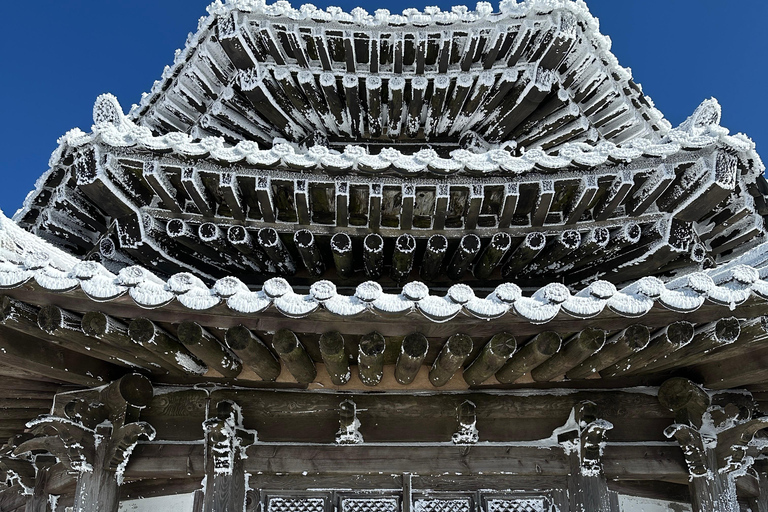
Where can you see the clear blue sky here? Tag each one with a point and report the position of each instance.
(57, 56)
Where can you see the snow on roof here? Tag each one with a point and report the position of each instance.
(701, 130)
(510, 11)
(25, 257)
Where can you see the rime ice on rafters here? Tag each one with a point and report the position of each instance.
(439, 260)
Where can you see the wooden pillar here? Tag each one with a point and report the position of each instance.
(226, 440)
(761, 502)
(712, 466)
(40, 501)
(587, 485)
(95, 440)
(97, 490)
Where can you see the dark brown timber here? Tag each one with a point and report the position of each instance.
(412, 353)
(449, 360)
(253, 352)
(573, 353)
(371, 358)
(335, 357)
(539, 349)
(493, 356)
(293, 355)
(202, 344)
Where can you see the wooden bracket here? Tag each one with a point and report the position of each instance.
(467, 433)
(349, 425)
(588, 433)
(225, 435)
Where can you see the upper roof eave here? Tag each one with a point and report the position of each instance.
(431, 16)
(122, 132)
(25, 257)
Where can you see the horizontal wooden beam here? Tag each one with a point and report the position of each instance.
(624, 462)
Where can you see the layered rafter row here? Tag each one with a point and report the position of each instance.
(542, 75)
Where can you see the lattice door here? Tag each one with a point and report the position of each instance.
(389, 504)
(518, 505)
(297, 504)
(442, 505)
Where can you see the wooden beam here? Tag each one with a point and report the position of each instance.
(615, 196)
(706, 339)
(664, 342)
(253, 352)
(449, 360)
(434, 254)
(153, 338)
(466, 252)
(371, 358)
(41, 358)
(492, 255)
(526, 252)
(490, 360)
(270, 241)
(632, 339)
(573, 352)
(341, 247)
(402, 258)
(98, 325)
(209, 350)
(309, 252)
(335, 357)
(294, 357)
(413, 351)
(373, 255)
(539, 349)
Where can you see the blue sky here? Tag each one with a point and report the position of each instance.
(58, 56)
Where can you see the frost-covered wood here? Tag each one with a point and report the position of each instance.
(493, 356)
(147, 334)
(663, 342)
(110, 330)
(373, 255)
(413, 351)
(294, 357)
(573, 352)
(449, 360)
(309, 252)
(335, 357)
(341, 247)
(535, 352)
(630, 340)
(370, 359)
(462, 259)
(706, 339)
(212, 352)
(253, 352)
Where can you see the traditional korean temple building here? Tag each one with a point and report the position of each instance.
(430, 262)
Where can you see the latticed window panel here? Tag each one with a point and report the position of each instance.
(518, 505)
(295, 504)
(370, 505)
(443, 505)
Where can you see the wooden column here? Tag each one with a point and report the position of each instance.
(95, 439)
(714, 440)
(226, 440)
(587, 485)
(761, 502)
(40, 501)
